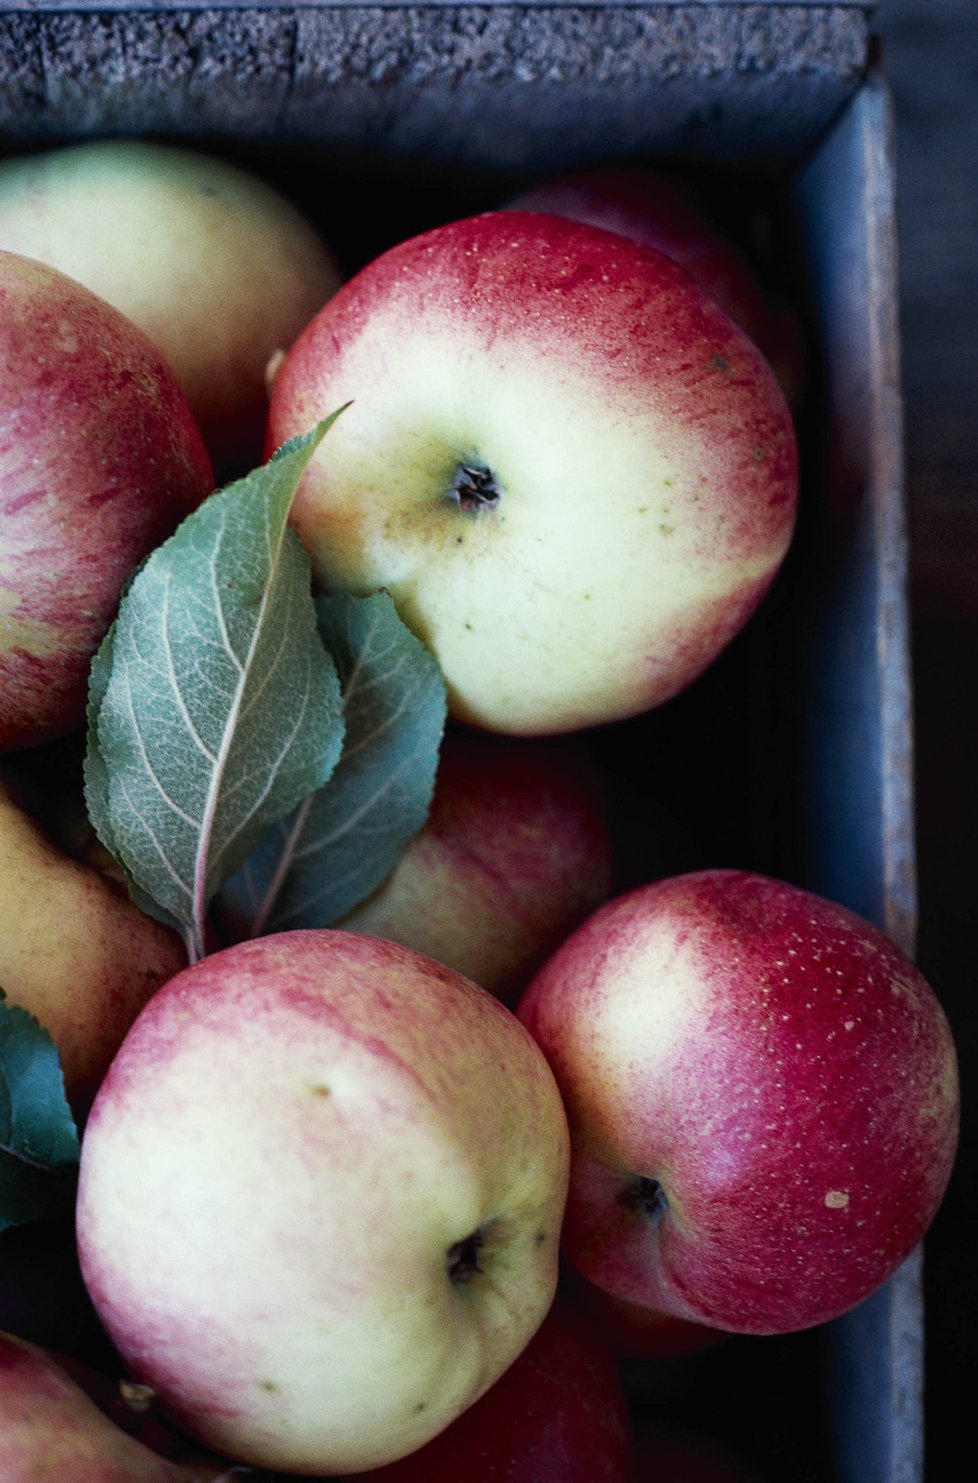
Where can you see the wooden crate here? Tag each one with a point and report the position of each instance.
(381, 120)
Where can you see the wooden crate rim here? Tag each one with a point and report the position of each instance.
(162, 6)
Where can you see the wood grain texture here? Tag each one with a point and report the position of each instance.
(188, 5)
(442, 84)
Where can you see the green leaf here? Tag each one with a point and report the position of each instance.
(97, 777)
(342, 842)
(214, 707)
(39, 1145)
(96, 772)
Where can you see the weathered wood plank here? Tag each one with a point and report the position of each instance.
(491, 86)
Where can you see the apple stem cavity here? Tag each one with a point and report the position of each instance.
(474, 488)
(462, 1258)
(646, 1196)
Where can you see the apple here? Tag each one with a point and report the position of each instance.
(320, 1197)
(100, 459)
(75, 950)
(559, 1414)
(763, 1099)
(515, 853)
(134, 1410)
(667, 212)
(216, 266)
(573, 472)
(664, 211)
(50, 1427)
(633, 1331)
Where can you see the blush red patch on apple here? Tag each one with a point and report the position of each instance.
(71, 362)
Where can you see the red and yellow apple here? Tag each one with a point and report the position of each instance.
(75, 951)
(633, 1331)
(100, 459)
(515, 853)
(559, 1414)
(573, 472)
(763, 1099)
(217, 267)
(666, 211)
(51, 1428)
(320, 1197)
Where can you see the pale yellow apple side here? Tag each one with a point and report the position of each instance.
(553, 610)
(645, 998)
(216, 267)
(74, 949)
(655, 1013)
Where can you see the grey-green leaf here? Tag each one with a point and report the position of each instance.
(97, 778)
(39, 1145)
(96, 772)
(344, 840)
(214, 706)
